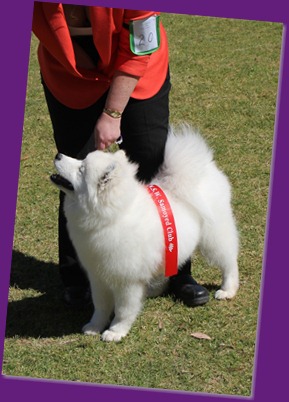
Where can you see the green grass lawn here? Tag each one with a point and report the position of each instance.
(225, 79)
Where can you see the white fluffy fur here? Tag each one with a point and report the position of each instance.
(115, 227)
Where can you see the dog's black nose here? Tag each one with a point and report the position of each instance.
(58, 157)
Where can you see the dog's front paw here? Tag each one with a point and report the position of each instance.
(90, 329)
(224, 294)
(111, 336)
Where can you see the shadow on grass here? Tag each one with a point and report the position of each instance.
(43, 315)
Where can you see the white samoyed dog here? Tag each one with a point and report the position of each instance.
(116, 229)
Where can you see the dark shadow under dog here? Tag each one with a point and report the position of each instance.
(44, 315)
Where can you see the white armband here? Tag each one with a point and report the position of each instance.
(145, 35)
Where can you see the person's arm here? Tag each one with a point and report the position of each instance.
(107, 128)
(130, 66)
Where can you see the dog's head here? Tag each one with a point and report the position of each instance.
(99, 178)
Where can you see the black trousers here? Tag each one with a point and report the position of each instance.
(144, 128)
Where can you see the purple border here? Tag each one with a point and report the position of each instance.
(272, 357)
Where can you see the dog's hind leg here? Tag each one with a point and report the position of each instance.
(219, 245)
(103, 307)
(128, 304)
(230, 282)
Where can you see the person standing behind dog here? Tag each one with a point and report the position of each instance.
(105, 74)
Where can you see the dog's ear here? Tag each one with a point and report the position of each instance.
(106, 177)
(124, 160)
(120, 154)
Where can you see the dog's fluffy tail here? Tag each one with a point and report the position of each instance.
(188, 160)
(187, 155)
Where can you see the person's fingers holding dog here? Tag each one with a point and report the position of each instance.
(106, 131)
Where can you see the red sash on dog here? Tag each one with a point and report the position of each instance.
(169, 228)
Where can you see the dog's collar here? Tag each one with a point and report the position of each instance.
(169, 228)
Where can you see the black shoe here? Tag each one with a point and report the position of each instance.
(184, 288)
(77, 296)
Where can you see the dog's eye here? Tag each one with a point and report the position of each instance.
(81, 169)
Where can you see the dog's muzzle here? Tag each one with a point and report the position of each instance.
(59, 180)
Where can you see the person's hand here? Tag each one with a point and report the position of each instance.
(106, 131)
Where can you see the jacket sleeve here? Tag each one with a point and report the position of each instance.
(126, 60)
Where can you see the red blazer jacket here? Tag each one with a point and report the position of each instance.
(79, 88)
